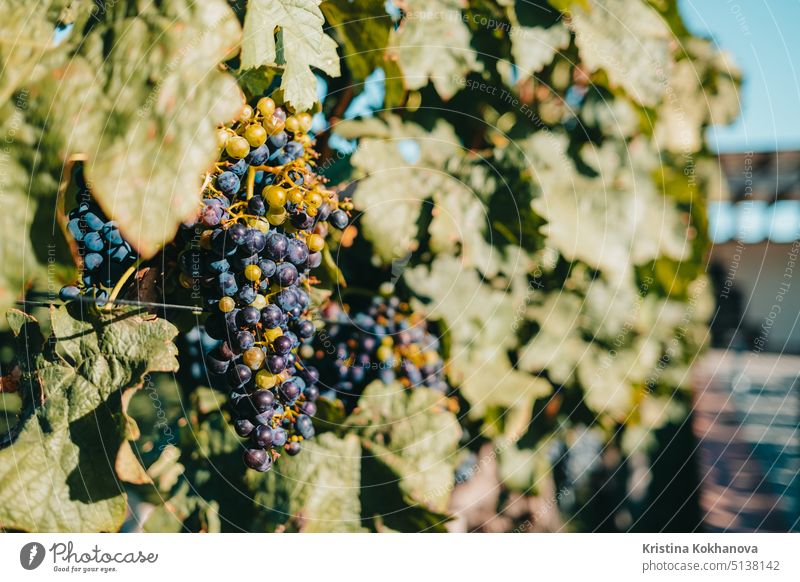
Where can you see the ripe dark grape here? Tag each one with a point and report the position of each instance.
(338, 219)
(282, 345)
(228, 183)
(271, 315)
(248, 316)
(245, 340)
(258, 459)
(262, 436)
(276, 364)
(286, 274)
(386, 342)
(105, 254)
(297, 252)
(257, 206)
(239, 375)
(243, 427)
(305, 426)
(263, 400)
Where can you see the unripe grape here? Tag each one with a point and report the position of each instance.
(226, 304)
(255, 135)
(273, 333)
(274, 124)
(252, 273)
(247, 113)
(276, 196)
(313, 199)
(266, 106)
(276, 216)
(384, 353)
(237, 147)
(254, 358)
(260, 302)
(305, 120)
(262, 225)
(222, 136)
(265, 380)
(295, 195)
(315, 242)
(292, 124)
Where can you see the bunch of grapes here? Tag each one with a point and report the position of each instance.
(105, 255)
(259, 233)
(387, 341)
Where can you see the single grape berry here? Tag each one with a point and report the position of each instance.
(339, 219)
(243, 427)
(258, 459)
(262, 436)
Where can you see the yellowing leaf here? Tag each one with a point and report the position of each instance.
(301, 44)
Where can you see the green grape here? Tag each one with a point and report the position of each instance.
(253, 358)
(237, 147)
(252, 273)
(276, 196)
(255, 135)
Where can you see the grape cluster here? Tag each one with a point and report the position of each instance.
(261, 229)
(387, 341)
(106, 256)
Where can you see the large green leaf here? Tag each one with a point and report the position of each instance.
(301, 44)
(415, 435)
(59, 472)
(393, 191)
(612, 219)
(137, 94)
(433, 43)
(316, 491)
(153, 104)
(28, 43)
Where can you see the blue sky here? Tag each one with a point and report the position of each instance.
(763, 37)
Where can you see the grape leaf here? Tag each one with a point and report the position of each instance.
(433, 43)
(202, 489)
(28, 44)
(613, 219)
(609, 32)
(163, 98)
(58, 474)
(680, 121)
(388, 178)
(316, 491)
(534, 47)
(301, 44)
(478, 323)
(138, 98)
(414, 434)
(18, 264)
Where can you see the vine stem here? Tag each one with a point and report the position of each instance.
(251, 182)
(118, 287)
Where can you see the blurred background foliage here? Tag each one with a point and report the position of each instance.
(530, 177)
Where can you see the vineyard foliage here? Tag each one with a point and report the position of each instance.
(530, 177)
